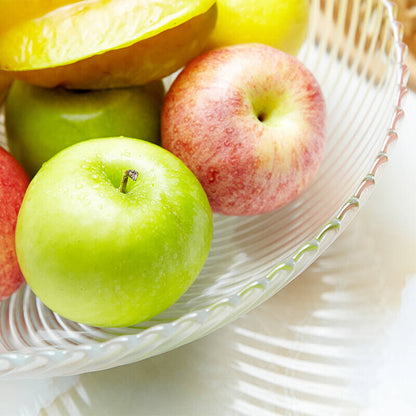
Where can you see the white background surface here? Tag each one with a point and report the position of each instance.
(339, 340)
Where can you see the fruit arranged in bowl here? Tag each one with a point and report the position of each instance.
(102, 251)
(278, 101)
(251, 256)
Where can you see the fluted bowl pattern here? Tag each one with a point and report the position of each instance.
(354, 49)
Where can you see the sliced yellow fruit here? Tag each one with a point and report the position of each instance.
(162, 34)
(84, 28)
(15, 11)
(145, 61)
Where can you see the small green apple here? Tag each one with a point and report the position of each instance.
(102, 252)
(42, 121)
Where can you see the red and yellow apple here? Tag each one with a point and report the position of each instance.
(250, 122)
(13, 184)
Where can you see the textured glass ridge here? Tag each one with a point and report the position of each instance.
(251, 258)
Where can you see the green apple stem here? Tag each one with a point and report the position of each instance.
(130, 173)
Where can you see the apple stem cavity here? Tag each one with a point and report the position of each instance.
(261, 116)
(130, 173)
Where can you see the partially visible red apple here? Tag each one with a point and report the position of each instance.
(250, 122)
(13, 184)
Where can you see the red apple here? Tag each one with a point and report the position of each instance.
(250, 122)
(13, 184)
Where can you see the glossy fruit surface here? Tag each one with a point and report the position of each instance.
(127, 42)
(102, 256)
(282, 24)
(42, 121)
(13, 184)
(250, 121)
(5, 82)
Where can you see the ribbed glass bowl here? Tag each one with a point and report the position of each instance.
(354, 49)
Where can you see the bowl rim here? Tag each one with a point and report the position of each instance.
(13, 361)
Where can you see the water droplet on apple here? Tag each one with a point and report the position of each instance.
(213, 175)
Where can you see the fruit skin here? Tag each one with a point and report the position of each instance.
(250, 122)
(13, 185)
(139, 47)
(42, 121)
(5, 82)
(102, 257)
(282, 24)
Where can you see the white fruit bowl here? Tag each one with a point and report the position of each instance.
(360, 65)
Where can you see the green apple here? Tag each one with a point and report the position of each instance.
(42, 121)
(5, 82)
(104, 252)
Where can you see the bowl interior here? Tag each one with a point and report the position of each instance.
(354, 49)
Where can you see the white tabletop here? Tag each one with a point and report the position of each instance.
(339, 340)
